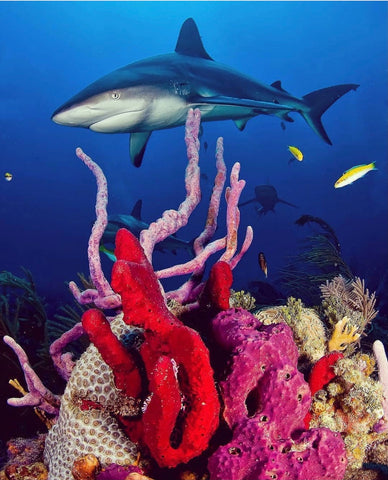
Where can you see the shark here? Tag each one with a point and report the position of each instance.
(156, 93)
(267, 197)
(135, 225)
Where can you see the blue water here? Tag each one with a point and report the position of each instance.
(50, 51)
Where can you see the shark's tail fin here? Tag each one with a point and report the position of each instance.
(319, 101)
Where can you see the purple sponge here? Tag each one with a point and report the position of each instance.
(266, 399)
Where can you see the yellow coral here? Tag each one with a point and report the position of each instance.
(343, 335)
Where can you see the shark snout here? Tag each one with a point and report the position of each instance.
(75, 116)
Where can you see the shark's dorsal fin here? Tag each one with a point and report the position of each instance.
(189, 41)
(137, 145)
(136, 210)
(278, 85)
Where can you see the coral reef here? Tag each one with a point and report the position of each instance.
(25, 460)
(348, 298)
(174, 381)
(308, 329)
(242, 299)
(266, 399)
(352, 405)
(345, 398)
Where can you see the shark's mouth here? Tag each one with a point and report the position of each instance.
(120, 122)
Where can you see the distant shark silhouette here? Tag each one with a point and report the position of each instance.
(157, 92)
(267, 196)
(134, 224)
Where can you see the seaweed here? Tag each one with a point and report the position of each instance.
(318, 261)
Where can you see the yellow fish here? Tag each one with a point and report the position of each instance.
(296, 153)
(8, 176)
(354, 174)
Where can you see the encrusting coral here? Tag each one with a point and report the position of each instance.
(352, 405)
(242, 299)
(308, 329)
(148, 394)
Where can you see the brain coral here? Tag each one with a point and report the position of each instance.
(80, 430)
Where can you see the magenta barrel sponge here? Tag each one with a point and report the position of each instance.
(266, 399)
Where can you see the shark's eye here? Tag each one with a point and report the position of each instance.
(115, 95)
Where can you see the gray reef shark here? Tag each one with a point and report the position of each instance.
(157, 92)
(135, 224)
(267, 197)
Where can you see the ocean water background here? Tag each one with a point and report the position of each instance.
(51, 50)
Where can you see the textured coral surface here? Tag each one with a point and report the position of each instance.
(78, 431)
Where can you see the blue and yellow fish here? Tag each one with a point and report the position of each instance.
(354, 174)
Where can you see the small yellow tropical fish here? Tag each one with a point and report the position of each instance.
(296, 152)
(354, 174)
(8, 176)
(263, 264)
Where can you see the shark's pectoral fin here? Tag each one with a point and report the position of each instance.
(246, 202)
(255, 105)
(241, 122)
(286, 117)
(287, 203)
(137, 145)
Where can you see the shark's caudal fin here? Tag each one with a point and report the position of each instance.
(319, 101)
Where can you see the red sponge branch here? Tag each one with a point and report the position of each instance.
(323, 371)
(321, 374)
(175, 358)
(126, 372)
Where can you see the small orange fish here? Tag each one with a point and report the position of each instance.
(263, 264)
